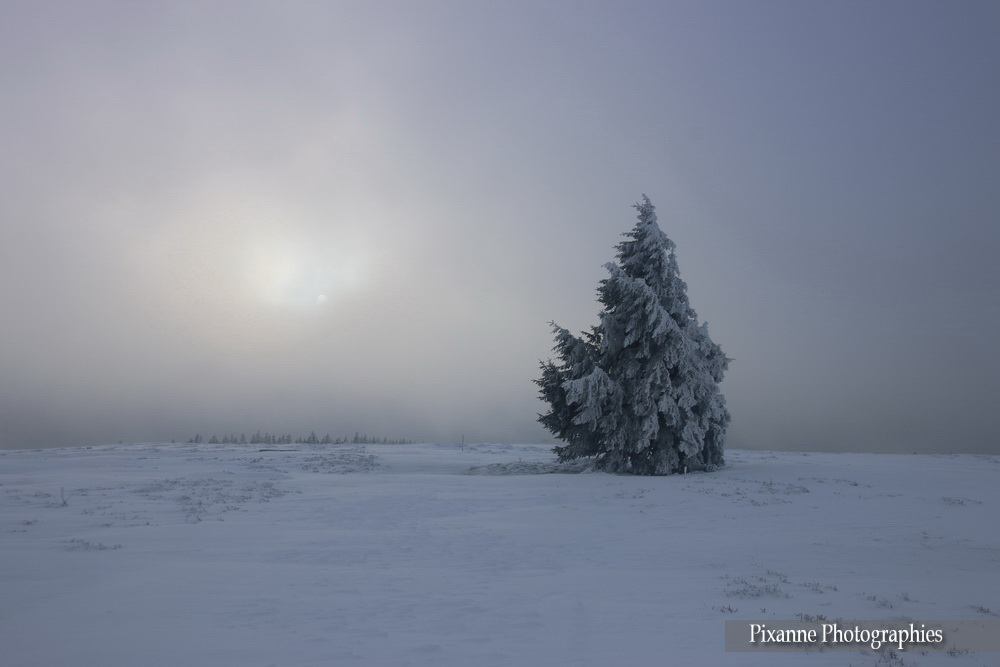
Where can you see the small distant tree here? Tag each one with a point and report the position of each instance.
(640, 391)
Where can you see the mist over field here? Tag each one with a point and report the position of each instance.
(360, 216)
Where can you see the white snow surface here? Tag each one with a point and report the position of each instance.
(182, 554)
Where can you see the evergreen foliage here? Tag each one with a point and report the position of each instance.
(640, 392)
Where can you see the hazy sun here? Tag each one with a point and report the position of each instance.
(293, 273)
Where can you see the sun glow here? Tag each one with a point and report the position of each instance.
(295, 274)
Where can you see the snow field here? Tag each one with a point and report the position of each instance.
(446, 555)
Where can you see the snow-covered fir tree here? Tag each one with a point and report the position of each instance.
(641, 390)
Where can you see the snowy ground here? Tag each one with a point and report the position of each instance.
(445, 555)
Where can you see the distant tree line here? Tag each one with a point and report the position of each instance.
(265, 438)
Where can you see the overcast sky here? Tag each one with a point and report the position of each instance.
(360, 216)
